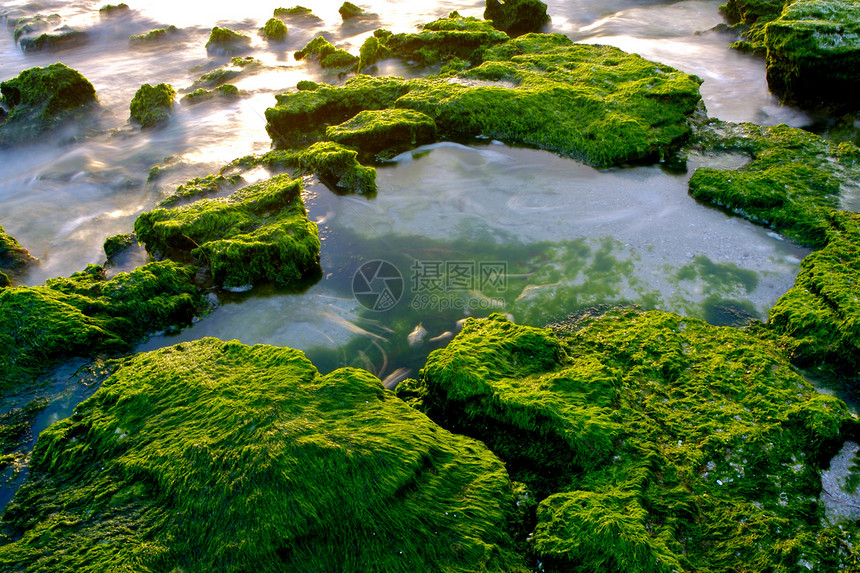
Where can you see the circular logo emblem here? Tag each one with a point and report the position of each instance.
(377, 285)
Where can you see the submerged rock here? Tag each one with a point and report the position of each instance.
(349, 11)
(813, 53)
(517, 17)
(326, 54)
(228, 72)
(86, 314)
(60, 38)
(652, 442)
(295, 13)
(114, 9)
(41, 99)
(152, 105)
(117, 244)
(259, 233)
(595, 103)
(212, 455)
(202, 94)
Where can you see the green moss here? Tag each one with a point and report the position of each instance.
(61, 38)
(217, 456)
(14, 259)
(260, 232)
(373, 131)
(328, 56)
(517, 17)
(113, 9)
(118, 243)
(200, 187)
(154, 36)
(201, 94)
(225, 40)
(33, 24)
(349, 10)
(275, 30)
(87, 314)
(296, 12)
(653, 442)
(40, 99)
(791, 184)
(813, 53)
(750, 18)
(152, 105)
(820, 317)
(236, 67)
(595, 103)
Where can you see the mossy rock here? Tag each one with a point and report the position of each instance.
(750, 17)
(791, 184)
(653, 442)
(440, 41)
(152, 105)
(813, 53)
(201, 94)
(40, 99)
(114, 9)
(349, 11)
(819, 317)
(275, 30)
(118, 243)
(31, 25)
(154, 36)
(86, 314)
(237, 66)
(517, 17)
(295, 13)
(227, 41)
(200, 187)
(595, 103)
(326, 54)
(14, 259)
(259, 233)
(374, 131)
(62, 38)
(213, 455)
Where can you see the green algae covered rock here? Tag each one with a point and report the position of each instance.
(213, 455)
(14, 259)
(517, 17)
(40, 99)
(154, 36)
(443, 40)
(275, 30)
(226, 41)
(152, 105)
(820, 317)
(791, 184)
(202, 94)
(86, 314)
(113, 9)
(653, 442)
(31, 25)
(348, 10)
(326, 54)
(294, 12)
(595, 103)
(260, 232)
(373, 131)
(61, 38)
(117, 243)
(813, 53)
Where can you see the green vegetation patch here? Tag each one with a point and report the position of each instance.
(260, 232)
(152, 105)
(154, 36)
(14, 259)
(652, 442)
(296, 12)
(813, 52)
(820, 317)
(275, 30)
(61, 38)
(595, 103)
(236, 67)
(791, 184)
(373, 131)
(113, 9)
(86, 314)
(326, 54)
(517, 17)
(225, 40)
(40, 99)
(213, 455)
(349, 10)
(33, 24)
(202, 94)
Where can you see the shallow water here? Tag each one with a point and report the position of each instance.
(469, 230)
